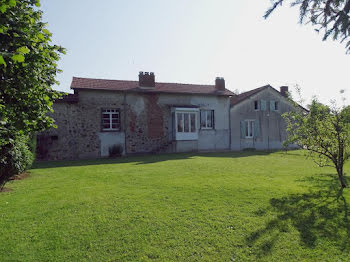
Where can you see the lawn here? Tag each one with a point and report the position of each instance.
(178, 207)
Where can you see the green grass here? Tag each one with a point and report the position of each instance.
(250, 206)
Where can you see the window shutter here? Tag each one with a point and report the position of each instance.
(213, 119)
(272, 105)
(173, 121)
(242, 129)
(256, 128)
(263, 105)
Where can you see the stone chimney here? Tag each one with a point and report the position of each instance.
(284, 91)
(220, 84)
(146, 79)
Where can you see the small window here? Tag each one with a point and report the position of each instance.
(249, 127)
(110, 120)
(274, 105)
(207, 119)
(256, 105)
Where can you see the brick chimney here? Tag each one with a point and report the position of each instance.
(146, 79)
(220, 84)
(284, 91)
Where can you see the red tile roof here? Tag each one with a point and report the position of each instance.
(70, 98)
(236, 99)
(239, 98)
(133, 86)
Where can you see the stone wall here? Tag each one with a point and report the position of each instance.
(79, 126)
(146, 125)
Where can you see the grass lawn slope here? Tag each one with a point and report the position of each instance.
(179, 207)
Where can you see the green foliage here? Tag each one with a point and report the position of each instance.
(234, 206)
(331, 16)
(324, 132)
(15, 157)
(27, 71)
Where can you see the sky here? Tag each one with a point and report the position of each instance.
(195, 41)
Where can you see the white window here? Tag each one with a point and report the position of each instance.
(207, 119)
(110, 120)
(186, 122)
(186, 126)
(249, 128)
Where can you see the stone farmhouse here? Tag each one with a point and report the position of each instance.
(145, 116)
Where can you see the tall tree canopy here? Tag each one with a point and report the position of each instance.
(332, 17)
(324, 132)
(27, 67)
(27, 71)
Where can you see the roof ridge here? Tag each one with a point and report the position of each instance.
(255, 89)
(133, 86)
(245, 95)
(105, 79)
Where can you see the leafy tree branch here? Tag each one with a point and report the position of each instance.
(332, 17)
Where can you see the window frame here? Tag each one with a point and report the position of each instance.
(249, 126)
(116, 111)
(274, 105)
(183, 121)
(190, 135)
(256, 105)
(206, 127)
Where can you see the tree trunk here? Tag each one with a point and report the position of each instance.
(341, 177)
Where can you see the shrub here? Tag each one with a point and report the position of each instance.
(249, 149)
(115, 150)
(15, 158)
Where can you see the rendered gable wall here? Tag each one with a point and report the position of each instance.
(272, 127)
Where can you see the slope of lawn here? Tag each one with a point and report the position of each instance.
(179, 207)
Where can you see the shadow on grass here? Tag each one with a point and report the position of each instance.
(145, 159)
(322, 214)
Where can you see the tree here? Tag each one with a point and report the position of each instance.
(27, 71)
(330, 16)
(325, 132)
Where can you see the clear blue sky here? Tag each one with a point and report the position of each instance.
(193, 42)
